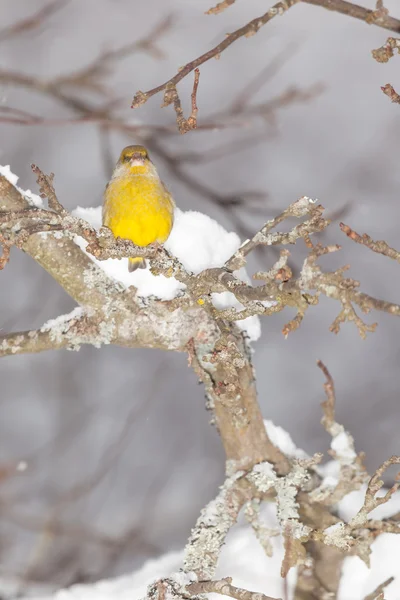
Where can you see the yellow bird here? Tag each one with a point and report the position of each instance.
(137, 205)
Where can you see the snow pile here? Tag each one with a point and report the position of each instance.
(198, 242)
(33, 199)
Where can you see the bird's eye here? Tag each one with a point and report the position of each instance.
(127, 158)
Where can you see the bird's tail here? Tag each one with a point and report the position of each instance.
(136, 263)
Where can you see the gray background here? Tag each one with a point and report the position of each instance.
(118, 442)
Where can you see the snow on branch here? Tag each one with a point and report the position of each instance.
(205, 287)
(216, 519)
(352, 472)
(356, 536)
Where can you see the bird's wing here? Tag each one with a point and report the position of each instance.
(167, 193)
(103, 208)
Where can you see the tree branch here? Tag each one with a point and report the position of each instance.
(372, 17)
(379, 247)
(247, 30)
(377, 17)
(352, 471)
(225, 588)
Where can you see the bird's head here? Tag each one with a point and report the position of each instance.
(134, 160)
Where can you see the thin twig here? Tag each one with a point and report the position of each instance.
(358, 12)
(32, 22)
(389, 91)
(377, 594)
(221, 6)
(247, 30)
(380, 247)
(171, 96)
(225, 587)
(46, 189)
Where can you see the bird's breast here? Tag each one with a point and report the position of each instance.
(137, 208)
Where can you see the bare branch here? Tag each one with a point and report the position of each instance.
(380, 247)
(89, 76)
(32, 22)
(378, 17)
(298, 209)
(378, 594)
(389, 91)
(46, 189)
(352, 471)
(220, 7)
(171, 97)
(225, 587)
(247, 30)
(372, 17)
(383, 55)
(387, 51)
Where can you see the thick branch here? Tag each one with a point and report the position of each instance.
(61, 257)
(216, 519)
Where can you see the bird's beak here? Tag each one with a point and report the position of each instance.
(137, 159)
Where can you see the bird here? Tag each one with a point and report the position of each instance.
(137, 206)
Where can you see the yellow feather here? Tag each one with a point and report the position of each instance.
(137, 206)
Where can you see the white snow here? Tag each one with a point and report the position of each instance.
(198, 241)
(33, 199)
(358, 581)
(342, 444)
(59, 322)
(282, 440)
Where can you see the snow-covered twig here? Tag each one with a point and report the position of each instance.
(349, 536)
(303, 207)
(262, 532)
(216, 519)
(352, 472)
